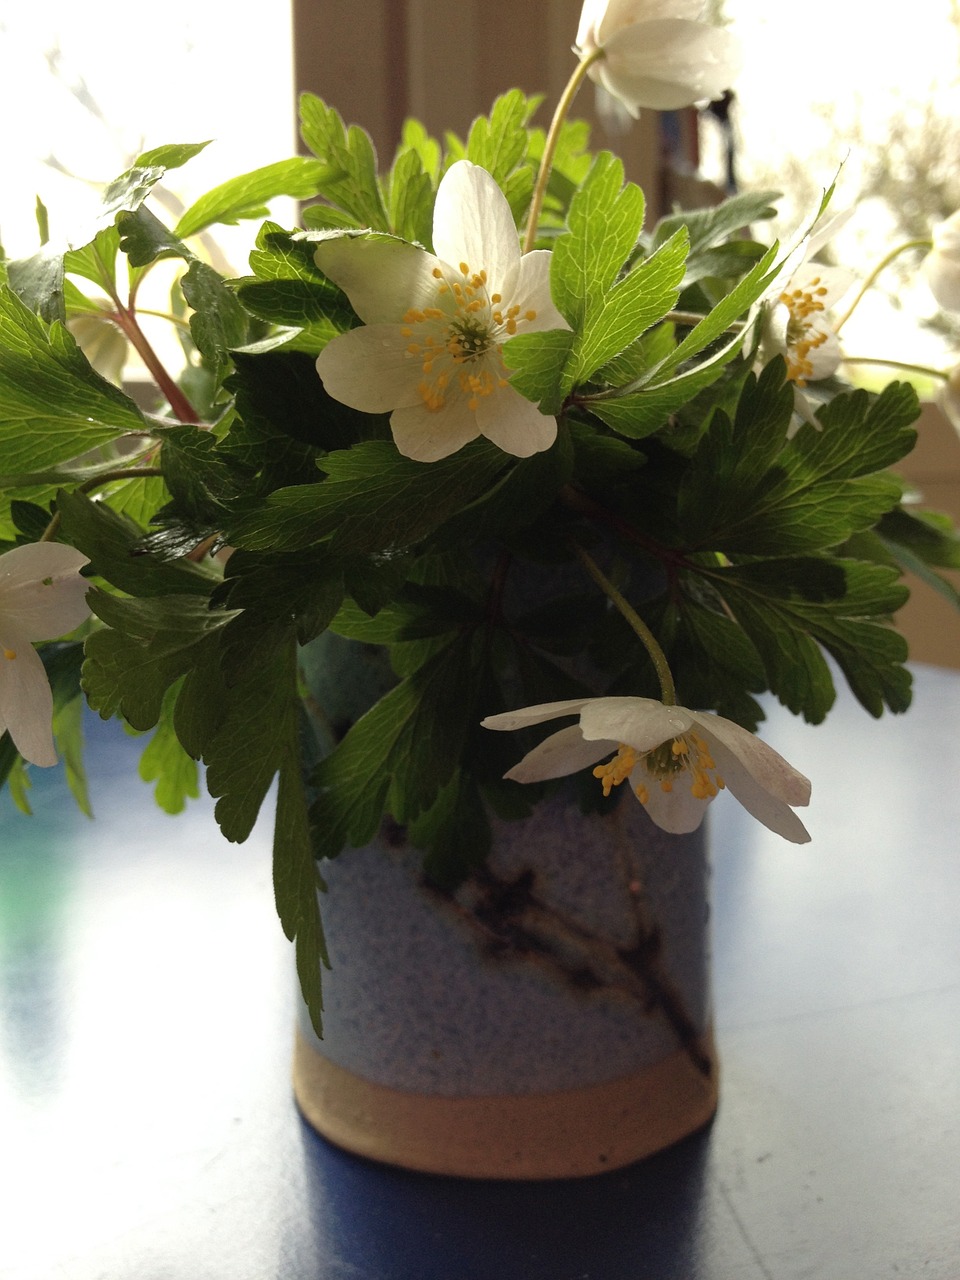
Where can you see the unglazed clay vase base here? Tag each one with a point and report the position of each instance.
(567, 1133)
(550, 1018)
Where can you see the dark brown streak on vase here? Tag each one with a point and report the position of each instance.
(511, 920)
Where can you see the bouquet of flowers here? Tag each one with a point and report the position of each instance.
(477, 422)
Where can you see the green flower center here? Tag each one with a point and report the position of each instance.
(457, 342)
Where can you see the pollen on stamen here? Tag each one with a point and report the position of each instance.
(10, 654)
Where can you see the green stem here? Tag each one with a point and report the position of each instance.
(906, 365)
(871, 278)
(650, 643)
(121, 473)
(550, 145)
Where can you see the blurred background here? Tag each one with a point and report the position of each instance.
(834, 90)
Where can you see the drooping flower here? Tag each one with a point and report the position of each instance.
(434, 325)
(677, 760)
(42, 597)
(941, 266)
(656, 53)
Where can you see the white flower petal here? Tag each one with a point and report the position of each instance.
(472, 224)
(667, 64)
(539, 714)
(774, 774)
(41, 592)
(677, 811)
(26, 703)
(529, 289)
(755, 774)
(514, 424)
(759, 802)
(427, 435)
(383, 278)
(606, 18)
(370, 369)
(826, 359)
(563, 753)
(643, 723)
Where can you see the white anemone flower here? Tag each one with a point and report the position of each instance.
(948, 399)
(941, 266)
(42, 597)
(434, 325)
(677, 760)
(798, 323)
(656, 53)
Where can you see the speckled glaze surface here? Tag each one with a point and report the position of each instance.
(580, 956)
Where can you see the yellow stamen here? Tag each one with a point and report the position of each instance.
(10, 654)
(685, 758)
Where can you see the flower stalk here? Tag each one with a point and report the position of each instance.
(871, 279)
(649, 641)
(560, 114)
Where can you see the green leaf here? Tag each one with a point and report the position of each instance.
(717, 322)
(112, 543)
(296, 882)
(752, 492)
(39, 280)
(285, 417)
(145, 239)
(646, 411)
(348, 178)
(171, 155)
(455, 831)
(604, 223)
(537, 362)
(147, 645)
(516, 499)
(715, 225)
(372, 500)
(253, 740)
(290, 290)
(398, 756)
(53, 406)
(247, 196)
(498, 143)
(307, 587)
(790, 608)
(633, 305)
(165, 762)
(219, 322)
(411, 196)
